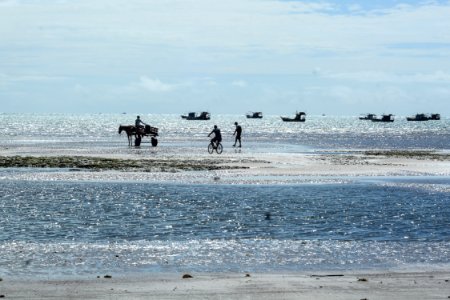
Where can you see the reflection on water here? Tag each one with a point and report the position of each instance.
(101, 130)
(74, 228)
(78, 227)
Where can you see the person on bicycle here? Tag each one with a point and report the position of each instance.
(217, 136)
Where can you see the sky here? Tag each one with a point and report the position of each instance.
(334, 57)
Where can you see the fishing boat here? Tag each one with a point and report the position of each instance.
(299, 117)
(424, 117)
(254, 115)
(197, 116)
(368, 117)
(419, 117)
(435, 117)
(384, 118)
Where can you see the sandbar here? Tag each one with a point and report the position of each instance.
(234, 168)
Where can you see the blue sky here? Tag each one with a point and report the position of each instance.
(334, 57)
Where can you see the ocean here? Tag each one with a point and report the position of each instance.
(75, 228)
(270, 134)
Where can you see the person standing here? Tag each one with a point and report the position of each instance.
(237, 132)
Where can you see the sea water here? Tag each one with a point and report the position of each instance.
(54, 228)
(270, 134)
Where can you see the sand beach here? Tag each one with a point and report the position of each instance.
(386, 285)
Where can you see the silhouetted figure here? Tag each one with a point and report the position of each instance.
(217, 136)
(237, 132)
(139, 124)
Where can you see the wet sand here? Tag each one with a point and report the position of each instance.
(234, 168)
(417, 285)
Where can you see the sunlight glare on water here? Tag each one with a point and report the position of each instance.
(77, 227)
(318, 132)
(58, 226)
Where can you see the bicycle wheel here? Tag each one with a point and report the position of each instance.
(219, 148)
(210, 148)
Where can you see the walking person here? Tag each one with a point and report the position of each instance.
(237, 132)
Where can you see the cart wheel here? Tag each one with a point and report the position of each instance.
(154, 142)
(210, 148)
(219, 148)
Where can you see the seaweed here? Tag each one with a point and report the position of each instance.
(100, 163)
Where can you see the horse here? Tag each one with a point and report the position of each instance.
(130, 131)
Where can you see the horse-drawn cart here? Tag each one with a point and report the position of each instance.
(138, 133)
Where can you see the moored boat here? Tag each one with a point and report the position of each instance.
(435, 117)
(299, 117)
(254, 115)
(195, 116)
(384, 118)
(368, 117)
(418, 117)
(424, 117)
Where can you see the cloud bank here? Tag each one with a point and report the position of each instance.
(271, 52)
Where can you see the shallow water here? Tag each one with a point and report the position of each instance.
(99, 132)
(51, 226)
(76, 228)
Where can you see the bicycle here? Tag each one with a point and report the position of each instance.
(215, 146)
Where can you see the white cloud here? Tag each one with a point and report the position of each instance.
(12, 81)
(234, 24)
(104, 43)
(155, 85)
(158, 86)
(355, 7)
(239, 83)
(377, 76)
(28, 77)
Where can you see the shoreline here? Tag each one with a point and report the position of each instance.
(348, 285)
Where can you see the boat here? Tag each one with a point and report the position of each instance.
(384, 118)
(368, 117)
(254, 115)
(299, 117)
(424, 117)
(419, 117)
(197, 116)
(435, 117)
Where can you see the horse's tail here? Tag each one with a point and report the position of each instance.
(120, 129)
